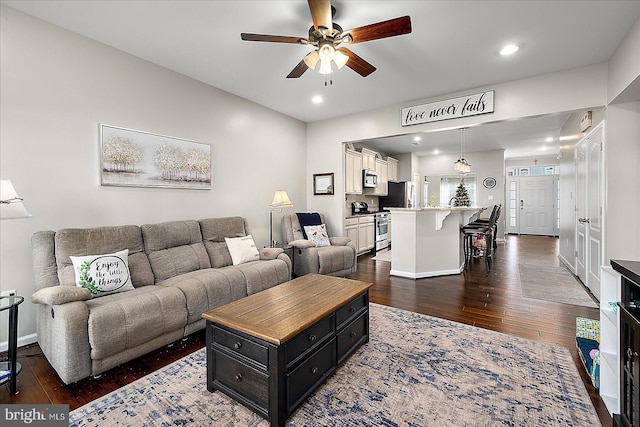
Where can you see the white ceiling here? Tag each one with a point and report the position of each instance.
(453, 47)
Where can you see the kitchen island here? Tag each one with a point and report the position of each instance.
(427, 241)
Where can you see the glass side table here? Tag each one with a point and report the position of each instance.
(11, 303)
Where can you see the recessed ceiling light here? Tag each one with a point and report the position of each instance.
(436, 152)
(509, 49)
(317, 99)
(549, 139)
(417, 138)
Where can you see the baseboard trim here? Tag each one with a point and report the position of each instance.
(422, 275)
(567, 264)
(22, 341)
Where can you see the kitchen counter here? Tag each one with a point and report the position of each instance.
(431, 240)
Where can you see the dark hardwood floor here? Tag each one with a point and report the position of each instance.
(492, 302)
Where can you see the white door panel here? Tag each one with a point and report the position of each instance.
(537, 197)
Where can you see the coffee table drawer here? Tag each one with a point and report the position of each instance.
(351, 336)
(351, 309)
(303, 379)
(240, 345)
(243, 379)
(308, 339)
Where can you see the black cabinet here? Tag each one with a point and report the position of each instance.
(629, 343)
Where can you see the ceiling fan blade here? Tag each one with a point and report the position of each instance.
(356, 63)
(298, 70)
(380, 30)
(321, 15)
(274, 39)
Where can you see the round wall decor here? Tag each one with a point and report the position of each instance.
(489, 182)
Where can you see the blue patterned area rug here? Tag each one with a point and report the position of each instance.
(415, 371)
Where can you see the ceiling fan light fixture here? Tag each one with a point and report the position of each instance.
(325, 67)
(326, 52)
(340, 59)
(311, 59)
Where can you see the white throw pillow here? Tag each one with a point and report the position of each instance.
(318, 235)
(242, 249)
(103, 274)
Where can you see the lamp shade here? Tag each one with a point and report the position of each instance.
(11, 206)
(281, 200)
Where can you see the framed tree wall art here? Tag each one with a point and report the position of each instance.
(322, 184)
(141, 159)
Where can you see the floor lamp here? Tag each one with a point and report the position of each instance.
(11, 207)
(280, 201)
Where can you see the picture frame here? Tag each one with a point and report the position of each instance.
(133, 158)
(323, 184)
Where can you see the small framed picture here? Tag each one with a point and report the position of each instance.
(489, 182)
(322, 184)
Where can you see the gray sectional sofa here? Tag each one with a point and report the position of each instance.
(178, 269)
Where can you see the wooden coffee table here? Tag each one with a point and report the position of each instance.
(271, 350)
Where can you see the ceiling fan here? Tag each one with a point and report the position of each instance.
(327, 36)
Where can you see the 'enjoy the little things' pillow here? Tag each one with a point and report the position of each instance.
(318, 235)
(103, 274)
(242, 249)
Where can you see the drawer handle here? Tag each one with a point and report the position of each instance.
(352, 309)
(314, 370)
(312, 338)
(352, 334)
(237, 345)
(239, 377)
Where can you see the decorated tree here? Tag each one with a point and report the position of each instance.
(462, 195)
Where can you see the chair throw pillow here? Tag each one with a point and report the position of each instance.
(242, 249)
(103, 274)
(308, 219)
(317, 234)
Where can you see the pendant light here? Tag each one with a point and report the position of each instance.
(461, 165)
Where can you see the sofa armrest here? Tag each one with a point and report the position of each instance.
(58, 295)
(269, 253)
(302, 244)
(339, 241)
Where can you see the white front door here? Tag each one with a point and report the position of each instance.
(537, 205)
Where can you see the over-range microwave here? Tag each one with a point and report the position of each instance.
(369, 178)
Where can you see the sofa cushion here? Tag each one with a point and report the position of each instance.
(242, 249)
(102, 240)
(174, 248)
(207, 289)
(103, 274)
(261, 275)
(214, 232)
(125, 320)
(335, 258)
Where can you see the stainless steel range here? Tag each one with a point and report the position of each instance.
(382, 230)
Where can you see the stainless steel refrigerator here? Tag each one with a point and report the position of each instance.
(401, 195)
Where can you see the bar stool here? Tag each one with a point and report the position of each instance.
(480, 230)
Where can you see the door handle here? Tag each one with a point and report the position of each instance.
(584, 220)
(521, 204)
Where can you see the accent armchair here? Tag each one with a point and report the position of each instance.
(337, 259)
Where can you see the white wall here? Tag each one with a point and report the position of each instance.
(624, 65)
(58, 86)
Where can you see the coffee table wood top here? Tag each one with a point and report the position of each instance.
(279, 313)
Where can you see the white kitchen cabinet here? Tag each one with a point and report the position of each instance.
(361, 231)
(368, 159)
(382, 189)
(366, 233)
(353, 172)
(392, 169)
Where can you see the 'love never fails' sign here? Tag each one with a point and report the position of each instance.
(465, 106)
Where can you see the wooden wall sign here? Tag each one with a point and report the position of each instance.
(471, 105)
